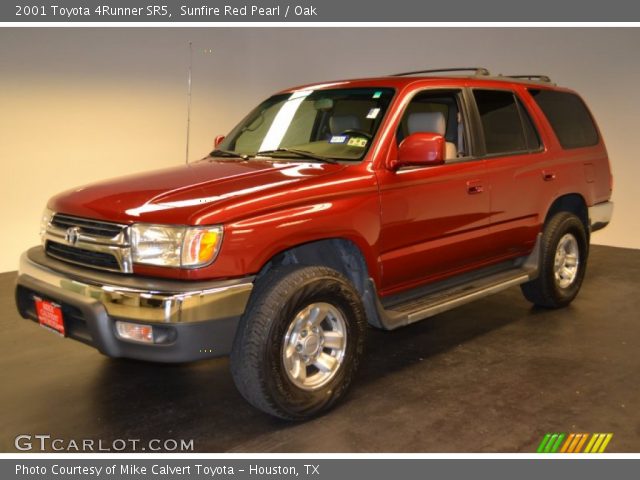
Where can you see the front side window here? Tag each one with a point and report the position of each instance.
(506, 124)
(434, 111)
(338, 123)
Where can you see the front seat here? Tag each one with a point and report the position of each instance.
(342, 123)
(431, 122)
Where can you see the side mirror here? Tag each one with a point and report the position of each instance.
(218, 141)
(421, 150)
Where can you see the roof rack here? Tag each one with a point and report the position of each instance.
(478, 71)
(539, 78)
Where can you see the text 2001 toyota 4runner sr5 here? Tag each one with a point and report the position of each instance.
(378, 201)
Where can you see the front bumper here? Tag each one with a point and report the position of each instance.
(193, 320)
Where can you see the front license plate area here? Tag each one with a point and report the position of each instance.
(50, 315)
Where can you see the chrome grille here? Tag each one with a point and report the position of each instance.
(91, 227)
(87, 242)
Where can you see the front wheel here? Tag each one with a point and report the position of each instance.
(300, 341)
(563, 262)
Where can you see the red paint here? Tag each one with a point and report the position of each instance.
(218, 140)
(49, 315)
(420, 150)
(411, 225)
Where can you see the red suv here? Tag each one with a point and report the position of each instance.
(379, 201)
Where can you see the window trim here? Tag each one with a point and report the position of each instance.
(481, 136)
(522, 112)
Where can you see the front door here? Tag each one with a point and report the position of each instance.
(434, 219)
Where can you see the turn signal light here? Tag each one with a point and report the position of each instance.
(135, 332)
(201, 245)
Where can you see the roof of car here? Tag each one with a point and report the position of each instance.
(479, 77)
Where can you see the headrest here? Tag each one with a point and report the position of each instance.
(340, 123)
(427, 122)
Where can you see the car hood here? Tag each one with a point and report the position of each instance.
(186, 194)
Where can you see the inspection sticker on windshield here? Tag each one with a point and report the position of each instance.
(357, 142)
(373, 113)
(338, 139)
(377, 94)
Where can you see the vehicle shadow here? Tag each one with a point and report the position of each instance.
(199, 401)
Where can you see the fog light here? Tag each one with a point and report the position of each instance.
(135, 332)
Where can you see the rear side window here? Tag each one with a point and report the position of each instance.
(568, 117)
(506, 124)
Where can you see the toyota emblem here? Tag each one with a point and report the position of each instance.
(71, 235)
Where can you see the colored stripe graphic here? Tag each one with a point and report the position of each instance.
(587, 449)
(606, 442)
(556, 446)
(543, 443)
(598, 443)
(581, 441)
(574, 442)
(565, 447)
(551, 443)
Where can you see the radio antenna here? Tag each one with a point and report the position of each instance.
(186, 160)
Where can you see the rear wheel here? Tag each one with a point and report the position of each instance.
(300, 341)
(563, 262)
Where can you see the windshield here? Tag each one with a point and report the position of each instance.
(337, 124)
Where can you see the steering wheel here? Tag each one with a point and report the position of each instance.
(354, 131)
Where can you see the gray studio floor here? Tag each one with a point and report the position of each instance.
(492, 376)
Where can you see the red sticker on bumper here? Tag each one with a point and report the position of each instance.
(50, 315)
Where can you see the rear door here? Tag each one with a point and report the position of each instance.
(516, 172)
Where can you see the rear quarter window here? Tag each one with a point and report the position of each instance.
(568, 116)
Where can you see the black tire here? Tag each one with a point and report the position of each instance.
(546, 291)
(257, 363)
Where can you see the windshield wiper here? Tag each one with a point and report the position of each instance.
(300, 153)
(228, 153)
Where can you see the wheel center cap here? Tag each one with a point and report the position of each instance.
(311, 344)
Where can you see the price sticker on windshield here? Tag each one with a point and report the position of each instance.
(373, 113)
(338, 139)
(357, 142)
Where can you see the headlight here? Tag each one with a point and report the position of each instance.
(169, 246)
(45, 220)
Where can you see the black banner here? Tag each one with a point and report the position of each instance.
(280, 11)
(316, 469)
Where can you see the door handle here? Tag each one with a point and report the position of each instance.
(548, 176)
(474, 187)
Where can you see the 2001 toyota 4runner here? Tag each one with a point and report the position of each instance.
(378, 201)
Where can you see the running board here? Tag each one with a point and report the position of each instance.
(454, 293)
